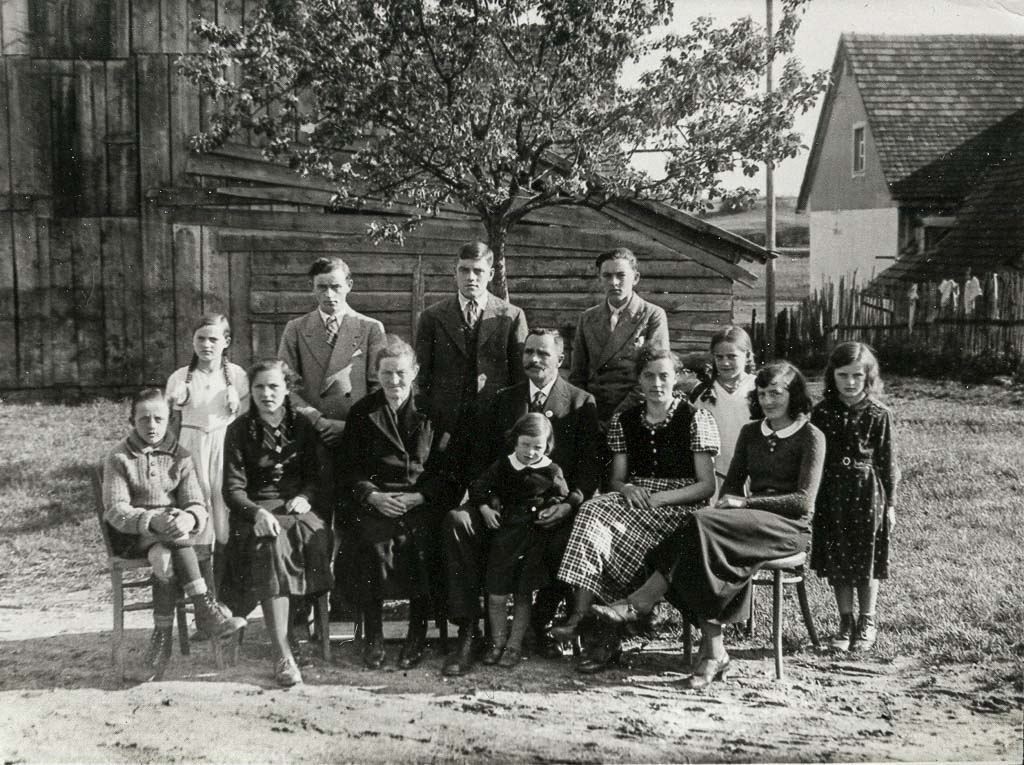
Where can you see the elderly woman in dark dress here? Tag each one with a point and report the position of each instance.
(705, 567)
(279, 546)
(395, 468)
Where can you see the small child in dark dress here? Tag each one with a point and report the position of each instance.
(523, 557)
(153, 501)
(856, 505)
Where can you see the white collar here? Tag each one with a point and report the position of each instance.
(785, 432)
(546, 390)
(339, 315)
(517, 465)
(481, 302)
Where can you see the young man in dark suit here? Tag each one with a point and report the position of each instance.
(468, 345)
(573, 416)
(609, 336)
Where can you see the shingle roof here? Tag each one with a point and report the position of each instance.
(934, 105)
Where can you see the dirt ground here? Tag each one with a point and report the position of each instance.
(59, 702)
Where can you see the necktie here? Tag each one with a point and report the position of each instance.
(538, 402)
(614, 320)
(472, 313)
(332, 329)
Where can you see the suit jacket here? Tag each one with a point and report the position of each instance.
(573, 416)
(603, 362)
(444, 359)
(333, 378)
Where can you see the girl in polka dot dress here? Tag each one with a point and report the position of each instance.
(855, 510)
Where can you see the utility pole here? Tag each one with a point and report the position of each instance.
(769, 211)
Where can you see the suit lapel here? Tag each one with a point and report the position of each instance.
(451, 320)
(348, 340)
(628, 320)
(488, 320)
(382, 419)
(558, 399)
(314, 335)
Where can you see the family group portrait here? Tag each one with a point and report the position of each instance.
(511, 381)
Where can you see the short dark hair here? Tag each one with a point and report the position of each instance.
(652, 352)
(852, 352)
(532, 424)
(326, 265)
(146, 394)
(549, 332)
(476, 251)
(619, 253)
(800, 401)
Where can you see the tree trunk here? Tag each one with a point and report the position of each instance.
(496, 235)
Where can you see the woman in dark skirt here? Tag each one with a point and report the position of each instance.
(279, 545)
(704, 569)
(395, 472)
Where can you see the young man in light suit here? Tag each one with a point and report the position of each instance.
(468, 345)
(609, 336)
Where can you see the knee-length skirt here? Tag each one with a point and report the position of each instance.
(609, 539)
(709, 561)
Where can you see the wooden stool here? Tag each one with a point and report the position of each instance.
(782, 571)
(118, 566)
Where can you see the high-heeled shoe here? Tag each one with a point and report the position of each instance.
(712, 669)
(619, 613)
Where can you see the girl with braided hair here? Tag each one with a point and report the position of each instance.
(208, 395)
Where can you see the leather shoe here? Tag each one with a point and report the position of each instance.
(460, 661)
(510, 657)
(373, 653)
(709, 671)
(493, 657)
(600, 659)
(547, 647)
(412, 652)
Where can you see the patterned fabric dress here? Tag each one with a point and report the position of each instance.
(609, 539)
(851, 529)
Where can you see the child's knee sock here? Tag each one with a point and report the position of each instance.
(186, 567)
(497, 616)
(520, 621)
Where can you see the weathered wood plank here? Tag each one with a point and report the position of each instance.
(173, 26)
(62, 329)
(122, 139)
(205, 9)
(134, 299)
(115, 321)
(158, 291)
(185, 122)
(8, 303)
(188, 288)
(418, 292)
(5, 153)
(90, 147)
(31, 284)
(120, 28)
(29, 126)
(264, 340)
(88, 299)
(241, 349)
(145, 26)
(67, 173)
(153, 121)
(299, 302)
(91, 30)
(14, 19)
(216, 276)
(684, 305)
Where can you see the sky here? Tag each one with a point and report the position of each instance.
(825, 20)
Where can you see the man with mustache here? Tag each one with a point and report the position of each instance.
(573, 416)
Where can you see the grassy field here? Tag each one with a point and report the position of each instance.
(956, 592)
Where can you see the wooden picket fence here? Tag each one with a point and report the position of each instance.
(911, 331)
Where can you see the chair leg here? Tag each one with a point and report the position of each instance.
(805, 609)
(236, 644)
(117, 652)
(687, 642)
(183, 630)
(357, 627)
(323, 617)
(749, 626)
(777, 622)
(218, 653)
(442, 633)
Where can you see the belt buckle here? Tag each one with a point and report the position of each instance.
(847, 462)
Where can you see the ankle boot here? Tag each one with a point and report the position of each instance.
(158, 653)
(460, 661)
(213, 618)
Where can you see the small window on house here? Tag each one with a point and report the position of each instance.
(858, 149)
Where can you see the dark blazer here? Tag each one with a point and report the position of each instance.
(373, 456)
(251, 477)
(444, 360)
(603, 362)
(326, 385)
(573, 416)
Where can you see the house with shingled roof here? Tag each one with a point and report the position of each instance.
(911, 130)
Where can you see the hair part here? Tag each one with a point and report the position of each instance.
(476, 251)
(532, 424)
(800, 401)
(853, 352)
(326, 265)
(144, 395)
(738, 337)
(619, 253)
(395, 348)
(652, 352)
(549, 332)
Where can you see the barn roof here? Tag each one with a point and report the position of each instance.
(936, 105)
(989, 231)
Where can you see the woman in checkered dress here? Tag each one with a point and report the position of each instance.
(663, 467)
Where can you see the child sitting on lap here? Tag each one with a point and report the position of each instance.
(152, 497)
(524, 556)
